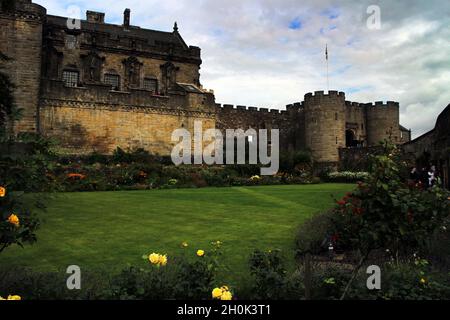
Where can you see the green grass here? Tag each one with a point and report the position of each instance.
(108, 230)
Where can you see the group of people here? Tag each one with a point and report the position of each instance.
(427, 177)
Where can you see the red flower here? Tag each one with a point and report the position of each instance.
(341, 202)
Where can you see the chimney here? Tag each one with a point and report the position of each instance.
(95, 17)
(126, 18)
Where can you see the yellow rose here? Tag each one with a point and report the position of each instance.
(153, 258)
(2, 192)
(13, 219)
(163, 260)
(217, 293)
(226, 296)
(224, 288)
(1, 298)
(200, 253)
(14, 297)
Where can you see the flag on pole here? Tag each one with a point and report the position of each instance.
(326, 51)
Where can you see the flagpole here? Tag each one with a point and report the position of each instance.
(326, 57)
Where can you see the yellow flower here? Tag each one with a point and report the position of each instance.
(13, 219)
(163, 260)
(154, 258)
(226, 296)
(217, 293)
(200, 253)
(1, 298)
(184, 244)
(423, 281)
(2, 192)
(14, 297)
(224, 288)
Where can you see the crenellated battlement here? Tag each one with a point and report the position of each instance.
(331, 93)
(372, 105)
(252, 110)
(381, 104)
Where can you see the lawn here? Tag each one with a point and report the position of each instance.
(109, 230)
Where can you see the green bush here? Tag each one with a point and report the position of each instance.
(269, 274)
(32, 285)
(313, 234)
(346, 176)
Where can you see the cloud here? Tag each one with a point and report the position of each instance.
(271, 52)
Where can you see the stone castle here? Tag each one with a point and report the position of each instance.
(95, 86)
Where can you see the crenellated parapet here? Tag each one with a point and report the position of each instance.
(247, 110)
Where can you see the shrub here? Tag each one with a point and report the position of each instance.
(346, 176)
(32, 285)
(312, 236)
(295, 162)
(386, 212)
(269, 273)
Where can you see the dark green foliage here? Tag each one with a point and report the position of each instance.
(269, 275)
(32, 285)
(8, 109)
(297, 162)
(386, 212)
(313, 233)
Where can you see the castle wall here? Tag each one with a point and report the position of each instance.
(81, 128)
(435, 144)
(94, 118)
(242, 117)
(21, 40)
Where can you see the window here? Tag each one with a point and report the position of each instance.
(151, 84)
(70, 78)
(71, 41)
(113, 80)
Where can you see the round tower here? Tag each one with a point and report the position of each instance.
(21, 24)
(382, 122)
(325, 126)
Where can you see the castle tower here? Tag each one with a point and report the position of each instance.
(325, 126)
(382, 121)
(21, 23)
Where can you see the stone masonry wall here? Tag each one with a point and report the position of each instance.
(21, 40)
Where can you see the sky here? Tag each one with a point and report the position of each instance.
(269, 53)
